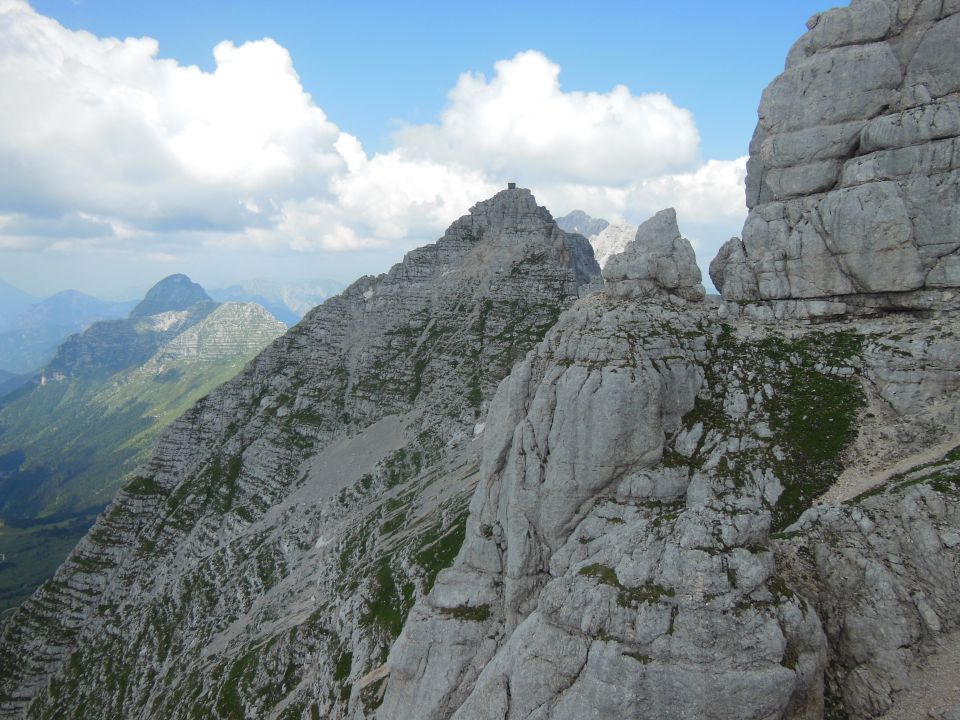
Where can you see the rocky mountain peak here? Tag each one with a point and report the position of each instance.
(579, 222)
(852, 177)
(377, 394)
(173, 293)
(612, 240)
(169, 307)
(657, 260)
(496, 235)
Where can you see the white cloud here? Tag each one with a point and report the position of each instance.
(105, 145)
(105, 127)
(396, 195)
(521, 123)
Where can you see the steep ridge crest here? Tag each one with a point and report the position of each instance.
(294, 514)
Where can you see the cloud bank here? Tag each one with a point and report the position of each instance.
(105, 145)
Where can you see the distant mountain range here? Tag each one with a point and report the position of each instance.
(31, 329)
(13, 301)
(579, 222)
(70, 435)
(286, 301)
(606, 239)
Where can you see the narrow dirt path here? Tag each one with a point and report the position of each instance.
(854, 481)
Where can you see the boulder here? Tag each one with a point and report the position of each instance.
(658, 261)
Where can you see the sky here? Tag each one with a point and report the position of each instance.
(301, 140)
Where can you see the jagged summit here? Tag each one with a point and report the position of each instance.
(853, 172)
(579, 222)
(658, 260)
(173, 293)
(497, 233)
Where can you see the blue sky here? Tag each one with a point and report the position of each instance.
(374, 78)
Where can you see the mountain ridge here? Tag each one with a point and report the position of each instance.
(387, 350)
(492, 484)
(68, 438)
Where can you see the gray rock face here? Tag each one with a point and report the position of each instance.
(881, 573)
(634, 549)
(291, 518)
(853, 182)
(658, 260)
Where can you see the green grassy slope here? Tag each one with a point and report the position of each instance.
(65, 447)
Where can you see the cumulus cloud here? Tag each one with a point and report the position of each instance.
(105, 144)
(105, 127)
(520, 122)
(709, 201)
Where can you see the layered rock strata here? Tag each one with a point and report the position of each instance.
(263, 560)
(852, 182)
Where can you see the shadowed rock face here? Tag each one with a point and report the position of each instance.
(853, 182)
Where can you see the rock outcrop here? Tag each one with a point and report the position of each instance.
(645, 539)
(657, 261)
(853, 172)
(292, 517)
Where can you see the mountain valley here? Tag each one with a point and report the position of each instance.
(534, 471)
(68, 439)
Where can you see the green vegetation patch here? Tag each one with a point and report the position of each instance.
(439, 547)
(628, 597)
(468, 613)
(144, 486)
(816, 399)
(391, 602)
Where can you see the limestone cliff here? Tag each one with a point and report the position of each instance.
(853, 172)
(488, 486)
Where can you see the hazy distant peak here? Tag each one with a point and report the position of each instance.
(176, 292)
(579, 222)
